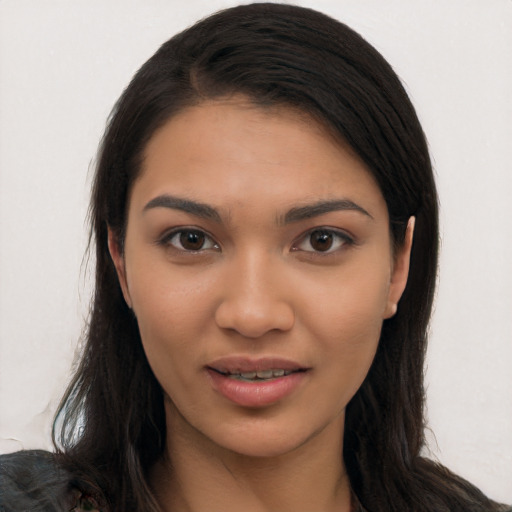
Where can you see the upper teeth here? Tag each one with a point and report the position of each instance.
(262, 374)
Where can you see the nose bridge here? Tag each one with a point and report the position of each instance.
(254, 299)
(253, 270)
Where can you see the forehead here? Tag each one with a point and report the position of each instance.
(233, 152)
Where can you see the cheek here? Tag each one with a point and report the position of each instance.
(169, 332)
(168, 301)
(345, 319)
(171, 337)
(172, 312)
(351, 304)
(352, 337)
(348, 353)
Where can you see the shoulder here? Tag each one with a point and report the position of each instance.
(34, 480)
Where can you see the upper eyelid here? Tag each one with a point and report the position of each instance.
(337, 231)
(173, 231)
(168, 234)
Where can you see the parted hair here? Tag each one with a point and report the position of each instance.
(110, 428)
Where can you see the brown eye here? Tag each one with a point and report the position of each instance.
(190, 240)
(323, 241)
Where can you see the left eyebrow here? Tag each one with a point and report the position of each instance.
(314, 210)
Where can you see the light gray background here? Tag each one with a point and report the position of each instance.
(63, 64)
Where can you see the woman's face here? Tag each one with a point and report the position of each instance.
(259, 265)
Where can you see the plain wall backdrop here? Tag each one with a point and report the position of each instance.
(62, 66)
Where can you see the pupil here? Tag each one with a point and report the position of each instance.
(321, 240)
(192, 240)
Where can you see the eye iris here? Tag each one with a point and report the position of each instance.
(192, 240)
(321, 240)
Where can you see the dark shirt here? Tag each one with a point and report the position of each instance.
(34, 481)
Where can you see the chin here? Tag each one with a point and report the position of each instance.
(269, 438)
(262, 446)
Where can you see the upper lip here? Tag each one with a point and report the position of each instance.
(242, 364)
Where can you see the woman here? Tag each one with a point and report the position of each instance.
(265, 220)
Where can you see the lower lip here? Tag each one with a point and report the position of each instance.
(258, 393)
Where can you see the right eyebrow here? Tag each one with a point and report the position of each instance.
(203, 210)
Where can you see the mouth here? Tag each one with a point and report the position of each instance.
(259, 375)
(256, 383)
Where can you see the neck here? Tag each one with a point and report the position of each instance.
(198, 475)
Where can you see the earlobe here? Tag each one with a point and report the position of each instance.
(118, 259)
(400, 271)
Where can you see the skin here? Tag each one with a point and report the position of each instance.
(259, 286)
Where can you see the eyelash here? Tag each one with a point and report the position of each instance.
(167, 240)
(340, 238)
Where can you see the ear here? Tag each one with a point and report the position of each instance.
(400, 271)
(118, 259)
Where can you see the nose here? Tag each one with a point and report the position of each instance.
(254, 299)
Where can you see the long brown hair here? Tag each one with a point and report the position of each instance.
(111, 426)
